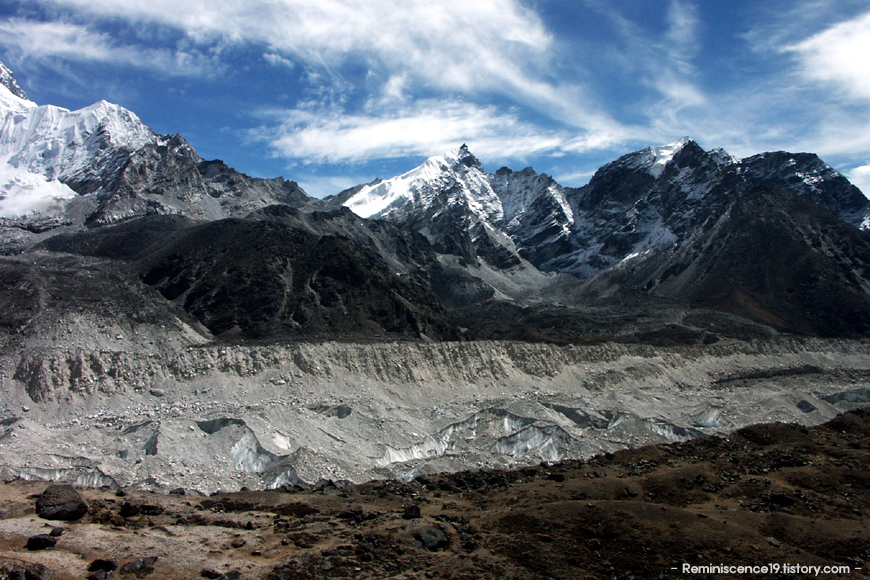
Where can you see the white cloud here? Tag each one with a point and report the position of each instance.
(454, 44)
(42, 40)
(278, 60)
(424, 128)
(860, 178)
(838, 56)
(682, 35)
(485, 48)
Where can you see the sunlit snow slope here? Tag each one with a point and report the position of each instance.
(42, 148)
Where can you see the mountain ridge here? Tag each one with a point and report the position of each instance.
(510, 253)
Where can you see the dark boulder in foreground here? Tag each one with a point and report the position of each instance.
(431, 538)
(41, 542)
(61, 502)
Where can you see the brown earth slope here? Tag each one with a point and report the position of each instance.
(775, 494)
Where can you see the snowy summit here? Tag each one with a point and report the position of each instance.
(456, 172)
(42, 147)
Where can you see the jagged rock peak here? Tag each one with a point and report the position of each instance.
(651, 160)
(463, 156)
(456, 173)
(7, 79)
(722, 157)
(664, 154)
(529, 171)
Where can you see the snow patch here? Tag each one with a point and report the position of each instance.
(664, 154)
(24, 194)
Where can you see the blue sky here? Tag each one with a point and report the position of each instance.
(332, 93)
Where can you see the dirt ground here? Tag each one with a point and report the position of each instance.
(775, 495)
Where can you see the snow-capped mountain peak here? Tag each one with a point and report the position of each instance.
(58, 143)
(455, 174)
(664, 154)
(46, 150)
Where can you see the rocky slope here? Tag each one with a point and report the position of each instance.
(771, 256)
(773, 495)
(7, 79)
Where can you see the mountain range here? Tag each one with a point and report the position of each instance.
(666, 244)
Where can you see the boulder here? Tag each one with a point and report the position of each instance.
(41, 542)
(100, 564)
(411, 512)
(431, 538)
(61, 502)
(140, 567)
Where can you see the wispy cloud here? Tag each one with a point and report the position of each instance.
(682, 35)
(838, 57)
(675, 71)
(278, 60)
(480, 50)
(451, 44)
(421, 129)
(32, 39)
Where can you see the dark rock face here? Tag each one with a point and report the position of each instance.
(770, 257)
(257, 279)
(280, 273)
(169, 177)
(61, 502)
(810, 177)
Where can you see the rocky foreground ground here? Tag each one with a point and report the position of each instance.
(779, 495)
